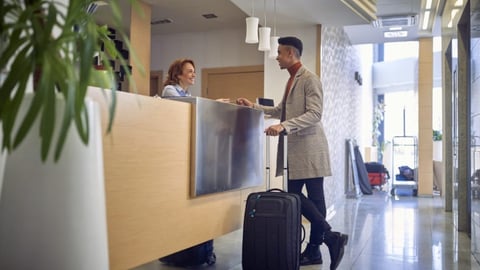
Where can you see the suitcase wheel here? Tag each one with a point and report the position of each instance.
(212, 259)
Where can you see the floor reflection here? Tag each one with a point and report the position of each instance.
(399, 232)
(476, 222)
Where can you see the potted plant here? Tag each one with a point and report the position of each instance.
(54, 43)
(378, 115)
(437, 145)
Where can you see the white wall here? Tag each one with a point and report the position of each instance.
(395, 75)
(212, 49)
(365, 54)
(401, 74)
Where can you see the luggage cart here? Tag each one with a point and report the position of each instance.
(405, 156)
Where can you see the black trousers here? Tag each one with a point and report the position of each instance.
(313, 207)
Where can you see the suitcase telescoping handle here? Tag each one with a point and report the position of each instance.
(285, 165)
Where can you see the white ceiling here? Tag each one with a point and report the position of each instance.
(186, 16)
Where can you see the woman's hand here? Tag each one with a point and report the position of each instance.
(244, 102)
(225, 100)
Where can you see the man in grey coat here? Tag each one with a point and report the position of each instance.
(300, 114)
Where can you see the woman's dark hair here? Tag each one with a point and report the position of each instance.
(175, 70)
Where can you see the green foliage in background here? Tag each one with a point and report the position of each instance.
(437, 135)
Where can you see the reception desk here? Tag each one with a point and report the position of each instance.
(147, 159)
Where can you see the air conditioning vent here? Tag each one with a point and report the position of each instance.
(404, 20)
(161, 21)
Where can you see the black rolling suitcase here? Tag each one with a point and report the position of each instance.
(272, 229)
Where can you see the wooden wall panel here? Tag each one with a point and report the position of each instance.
(425, 92)
(140, 39)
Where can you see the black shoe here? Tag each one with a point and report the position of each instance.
(311, 255)
(336, 243)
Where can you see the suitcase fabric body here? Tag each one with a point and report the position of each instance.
(272, 231)
(375, 167)
(377, 179)
(377, 173)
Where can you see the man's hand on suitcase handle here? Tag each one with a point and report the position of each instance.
(275, 130)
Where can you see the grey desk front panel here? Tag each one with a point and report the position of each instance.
(227, 146)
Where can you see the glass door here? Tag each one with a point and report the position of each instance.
(475, 127)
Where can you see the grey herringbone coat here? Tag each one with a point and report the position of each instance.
(308, 154)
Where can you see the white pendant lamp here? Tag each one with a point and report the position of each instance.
(264, 43)
(273, 47)
(274, 39)
(252, 28)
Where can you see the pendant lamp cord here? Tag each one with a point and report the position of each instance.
(275, 17)
(265, 12)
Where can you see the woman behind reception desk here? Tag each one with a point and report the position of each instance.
(181, 75)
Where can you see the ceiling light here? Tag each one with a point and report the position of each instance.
(450, 23)
(251, 35)
(458, 3)
(397, 28)
(274, 39)
(366, 9)
(429, 14)
(426, 17)
(395, 34)
(428, 5)
(453, 13)
(252, 30)
(264, 43)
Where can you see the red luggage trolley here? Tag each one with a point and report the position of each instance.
(377, 174)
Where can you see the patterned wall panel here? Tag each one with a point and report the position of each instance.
(342, 97)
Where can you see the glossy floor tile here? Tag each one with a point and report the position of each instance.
(385, 232)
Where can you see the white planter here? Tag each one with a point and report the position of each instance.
(437, 150)
(52, 215)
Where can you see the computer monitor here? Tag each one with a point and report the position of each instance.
(265, 101)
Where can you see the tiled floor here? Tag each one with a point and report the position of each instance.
(385, 232)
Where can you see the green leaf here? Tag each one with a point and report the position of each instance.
(22, 65)
(8, 112)
(47, 124)
(29, 119)
(69, 93)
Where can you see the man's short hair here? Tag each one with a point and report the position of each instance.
(292, 41)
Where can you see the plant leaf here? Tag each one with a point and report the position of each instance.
(69, 94)
(47, 123)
